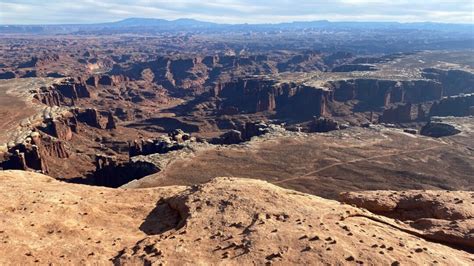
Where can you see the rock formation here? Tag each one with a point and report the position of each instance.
(287, 99)
(454, 81)
(322, 124)
(94, 118)
(439, 129)
(176, 140)
(228, 220)
(461, 105)
(442, 216)
(380, 93)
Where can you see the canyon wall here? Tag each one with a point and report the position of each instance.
(285, 99)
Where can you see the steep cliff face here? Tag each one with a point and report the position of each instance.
(381, 93)
(302, 102)
(73, 89)
(462, 105)
(286, 99)
(197, 74)
(64, 93)
(453, 81)
(33, 153)
(250, 95)
(48, 138)
(110, 173)
(50, 97)
(406, 113)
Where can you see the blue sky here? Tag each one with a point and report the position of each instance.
(235, 11)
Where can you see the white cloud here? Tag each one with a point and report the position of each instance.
(234, 11)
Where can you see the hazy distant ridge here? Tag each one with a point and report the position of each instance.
(151, 24)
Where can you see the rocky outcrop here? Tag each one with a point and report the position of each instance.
(44, 137)
(461, 105)
(7, 75)
(106, 80)
(25, 157)
(89, 116)
(73, 89)
(94, 118)
(250, 95)
(454, 81)
(246, 132)
(61, 128)
(230, 137)
(322, 124)
(382, 93)
(225, 221)
(32, 154)
(439, 129)
(50, 97)
(111, 173)
(442, 216)
(265, 95)
(406, 113)
(176, 140)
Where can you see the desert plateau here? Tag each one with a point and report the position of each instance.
(149, 141)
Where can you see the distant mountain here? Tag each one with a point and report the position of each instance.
(137, 25)
(151, 22)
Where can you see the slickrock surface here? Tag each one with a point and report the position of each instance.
(46, 221)
(445, 216)
(225, 221)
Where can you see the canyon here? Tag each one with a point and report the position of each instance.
(224, 145)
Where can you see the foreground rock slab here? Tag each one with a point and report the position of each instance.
(444, 216)
(225, 221)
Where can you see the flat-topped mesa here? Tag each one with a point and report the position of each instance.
(454, 81)
(461, 105)
(197, 74)
(381, 93)
(457, 100)
(303, 100)
(266, 95)
(70, 90)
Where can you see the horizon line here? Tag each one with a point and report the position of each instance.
(245, 23)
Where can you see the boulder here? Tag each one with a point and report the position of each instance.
(322, 124)
(439, 129)
(231, 137)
